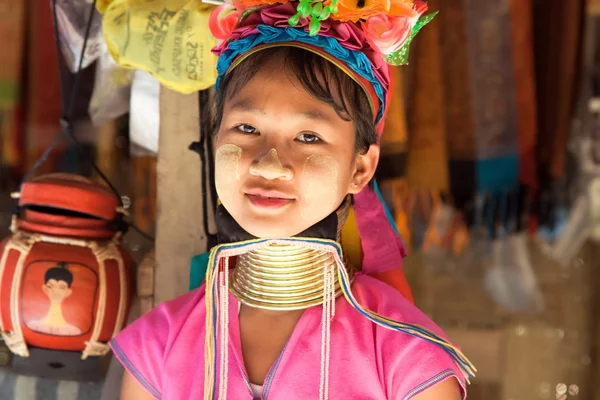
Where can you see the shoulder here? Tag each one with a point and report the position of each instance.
(142, 346)
(387, 301)
(410, 364)
(164, 320)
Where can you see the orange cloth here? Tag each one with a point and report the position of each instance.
(427, 160)
(352, 250)
(393, 156)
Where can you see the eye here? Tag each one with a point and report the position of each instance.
(308, 138)
(245, 128)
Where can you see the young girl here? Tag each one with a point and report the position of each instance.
(301, 96)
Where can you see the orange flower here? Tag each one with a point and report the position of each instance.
(353, 10)
(404, 8)
(243, 4)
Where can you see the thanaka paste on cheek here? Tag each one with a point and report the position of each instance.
(319, 183)
(227, 165)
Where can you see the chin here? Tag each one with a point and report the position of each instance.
(271, 229)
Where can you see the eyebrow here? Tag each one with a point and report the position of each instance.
(246, 105)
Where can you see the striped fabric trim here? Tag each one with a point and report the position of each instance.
(133, 370)
(442, 376)
(272, 373)
(357, 61)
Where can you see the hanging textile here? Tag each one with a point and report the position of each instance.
(493, 87)
(458, 102)
(522, 35)
(12, 32)
(391, 171)
(427, 162)
(526, 101)
(558, 36)
(43, 98)
(427, 165)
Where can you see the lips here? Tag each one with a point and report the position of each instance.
(268, 199)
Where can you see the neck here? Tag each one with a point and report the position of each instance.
(280, 278)
(55, 316)
(284, 277)
(264, 314)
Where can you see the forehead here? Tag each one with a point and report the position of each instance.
(275, 85)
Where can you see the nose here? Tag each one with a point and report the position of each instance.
(269, 167)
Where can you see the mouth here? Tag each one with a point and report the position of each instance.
(268, 199)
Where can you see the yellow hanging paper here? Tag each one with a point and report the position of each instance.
(169, 39)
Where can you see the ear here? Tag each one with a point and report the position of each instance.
(45, 288)
(68, 292)
(364, 169)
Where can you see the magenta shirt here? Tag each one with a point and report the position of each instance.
(164, 351)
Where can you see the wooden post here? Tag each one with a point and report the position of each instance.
(179, 232)
(595, 373)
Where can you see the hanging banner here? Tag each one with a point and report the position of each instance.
(171, 41)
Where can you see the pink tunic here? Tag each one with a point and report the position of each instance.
(164, 350)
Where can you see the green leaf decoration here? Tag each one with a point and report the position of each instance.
(314, 27)
(400, 57)
(326, 13)
(294, 19)
(333, 6)
(304, 8)
(317, 9)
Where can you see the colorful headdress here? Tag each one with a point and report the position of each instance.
(360, 39)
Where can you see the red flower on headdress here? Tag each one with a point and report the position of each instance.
(223, 21)
(387, 33)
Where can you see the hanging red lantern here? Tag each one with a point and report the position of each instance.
(65, 281)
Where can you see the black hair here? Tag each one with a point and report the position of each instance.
(59, 273)
(319, 77)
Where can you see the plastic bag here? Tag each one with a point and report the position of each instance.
(144, 119)
(170, 40)
(112, 88)
(565, 242)
(72, 23)
(511, 281)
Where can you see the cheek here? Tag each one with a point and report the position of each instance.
(227, 171)
(320, 181)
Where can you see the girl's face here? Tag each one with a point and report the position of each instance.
(285, 160)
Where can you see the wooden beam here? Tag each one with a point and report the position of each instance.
(179, 229)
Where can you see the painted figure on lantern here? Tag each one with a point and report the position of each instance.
(57, 287)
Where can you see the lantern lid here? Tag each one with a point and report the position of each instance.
(71, 193)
